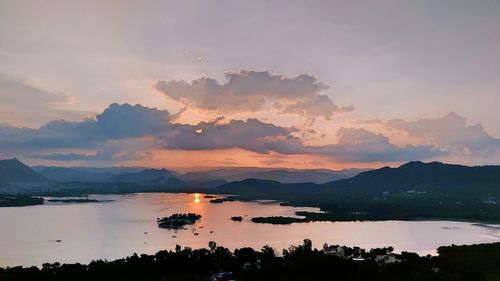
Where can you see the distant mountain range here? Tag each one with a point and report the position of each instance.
(214, 176)
(412, 177)
(412, 191)
(15, 171)
(86, 174)
(280, 175)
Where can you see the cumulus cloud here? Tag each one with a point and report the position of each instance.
(115, 123)
(252, 91)
(107, 133)
(126, 121)
(450, 132)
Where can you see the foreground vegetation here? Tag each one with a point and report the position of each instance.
(458, 263)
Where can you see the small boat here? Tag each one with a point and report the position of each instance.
(58, 240)
(211, 231)
(196, 233)
(173, 236)
(145, 232)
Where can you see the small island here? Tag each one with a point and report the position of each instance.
(238, 218)
(20, 201)
(278, 220)
(178, 221)
(74, 200)
(225, 199)
(319, 217)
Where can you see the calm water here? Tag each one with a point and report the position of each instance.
(116, 229)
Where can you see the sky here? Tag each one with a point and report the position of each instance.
(297, 84)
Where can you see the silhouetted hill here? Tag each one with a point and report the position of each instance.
(414, 190)
(146, 177)
(418, 177)
(14, 171)
(424, 177)
(268, 189)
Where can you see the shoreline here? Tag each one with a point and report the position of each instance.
(222, 198)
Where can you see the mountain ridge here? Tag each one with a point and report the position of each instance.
(15, 171)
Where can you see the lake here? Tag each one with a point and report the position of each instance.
(127, 225)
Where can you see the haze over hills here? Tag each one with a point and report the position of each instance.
(146, 176)
(221, 175)
(276, 174)
(87, 174)
(412, 177)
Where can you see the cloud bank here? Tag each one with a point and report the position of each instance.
(143, 126)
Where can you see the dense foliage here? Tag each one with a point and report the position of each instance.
(458, 263)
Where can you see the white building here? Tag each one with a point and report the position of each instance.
(333, 250)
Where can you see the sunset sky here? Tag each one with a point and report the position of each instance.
(298, 84)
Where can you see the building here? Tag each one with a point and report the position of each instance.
(388, 258)
(333, 250)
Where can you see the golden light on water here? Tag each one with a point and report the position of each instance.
(196, 198)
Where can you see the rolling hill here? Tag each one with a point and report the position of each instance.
(14, 171)
(412, 177)
(417, 176)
